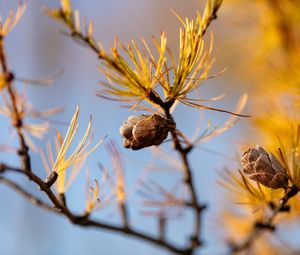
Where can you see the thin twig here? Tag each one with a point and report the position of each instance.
(34, 200)
(212, 17)
(162, 222)
(188, 179)
(17, 120)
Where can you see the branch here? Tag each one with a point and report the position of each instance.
(17, 120)
(82, 220)
(195, 240)
(34, 200)
(211, 17)
(188, 180)
(267, 225)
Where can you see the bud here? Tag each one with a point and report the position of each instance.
(145, 130)
(264, 168)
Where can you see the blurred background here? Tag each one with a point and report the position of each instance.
(246, 42)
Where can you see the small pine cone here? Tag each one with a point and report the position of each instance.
(264, 168)
(145, 130)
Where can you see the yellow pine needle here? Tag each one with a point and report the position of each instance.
(46, 113)
(237, 225)
(11, 21)
(77, 20)
(66, 6)
(118, 169)
(248, 192)
(134, 75)
(61, 189)
(92, 198)
(63, 181)
(230, 122)
(3, 82)
(160, 63)
(80, 153)
(193, 61)
(37, 130)
(60, 184)
(90, 30)
(289, 154)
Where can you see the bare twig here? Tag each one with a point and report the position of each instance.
(188, 179)
(119, 171)
(27, 195)
(162, 221)
(83, 220)
(212, 17)
(17, 120)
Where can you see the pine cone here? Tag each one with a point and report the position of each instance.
(145, 130)
(264, 168)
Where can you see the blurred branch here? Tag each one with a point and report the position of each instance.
(268, 224)
(162, 222)
(120, 185)
(85, 40)
(188, 180)
(81, 220)
(124, 213)
(17, 120)
(212, 15)
(27, 195)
